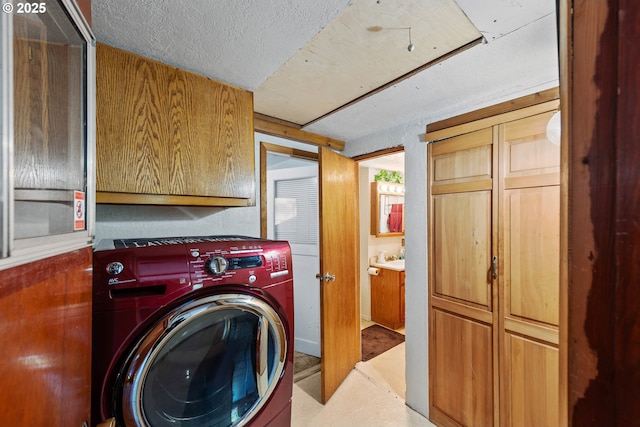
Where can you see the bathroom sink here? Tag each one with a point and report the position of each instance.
(397, 265)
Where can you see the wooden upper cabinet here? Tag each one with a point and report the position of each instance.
(167, 136)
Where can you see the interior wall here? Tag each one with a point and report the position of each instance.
(416, 325)
(365, 221)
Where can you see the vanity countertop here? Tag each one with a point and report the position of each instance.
(397, 265)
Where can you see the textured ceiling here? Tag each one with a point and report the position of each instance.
(245, 43)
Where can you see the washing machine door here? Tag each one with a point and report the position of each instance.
(210, 362)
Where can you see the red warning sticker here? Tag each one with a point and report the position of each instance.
(79, 210)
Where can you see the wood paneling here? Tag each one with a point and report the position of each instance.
(153, 199)
(603, 254)
(45, 323)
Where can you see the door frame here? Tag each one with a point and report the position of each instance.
(364, 231)
(330, 365)
(265, 148)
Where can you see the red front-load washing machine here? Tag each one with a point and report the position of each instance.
(193, 331)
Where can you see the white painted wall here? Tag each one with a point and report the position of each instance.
(416, 324)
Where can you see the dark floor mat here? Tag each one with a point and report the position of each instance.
(377, 339)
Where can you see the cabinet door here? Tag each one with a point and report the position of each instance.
(132, 141)
(167, 136)
(385, 298)
(211, 128)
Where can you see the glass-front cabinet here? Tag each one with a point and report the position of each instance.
(48, 129)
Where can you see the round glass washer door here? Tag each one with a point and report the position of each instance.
(211, 362)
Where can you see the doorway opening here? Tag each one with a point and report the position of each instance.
(289, 206)
(382, 296)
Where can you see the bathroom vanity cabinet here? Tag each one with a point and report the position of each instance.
(387, 298)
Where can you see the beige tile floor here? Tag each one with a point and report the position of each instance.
(371, 396)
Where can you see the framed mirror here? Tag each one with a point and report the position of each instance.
(387, 209)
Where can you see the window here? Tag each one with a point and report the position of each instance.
(47, 128)
(296, 210)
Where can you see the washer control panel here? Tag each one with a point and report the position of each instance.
(240, 262)
(154, 270)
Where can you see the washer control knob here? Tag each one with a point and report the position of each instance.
(216, 265)
(252, 278)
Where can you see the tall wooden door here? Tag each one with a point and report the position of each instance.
(529, 279)
(463, 321)
(494, 257)
(339, 293)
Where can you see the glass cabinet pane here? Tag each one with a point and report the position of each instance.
(49, 123)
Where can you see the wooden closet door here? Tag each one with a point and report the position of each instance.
(530, 273)
(463, 324)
